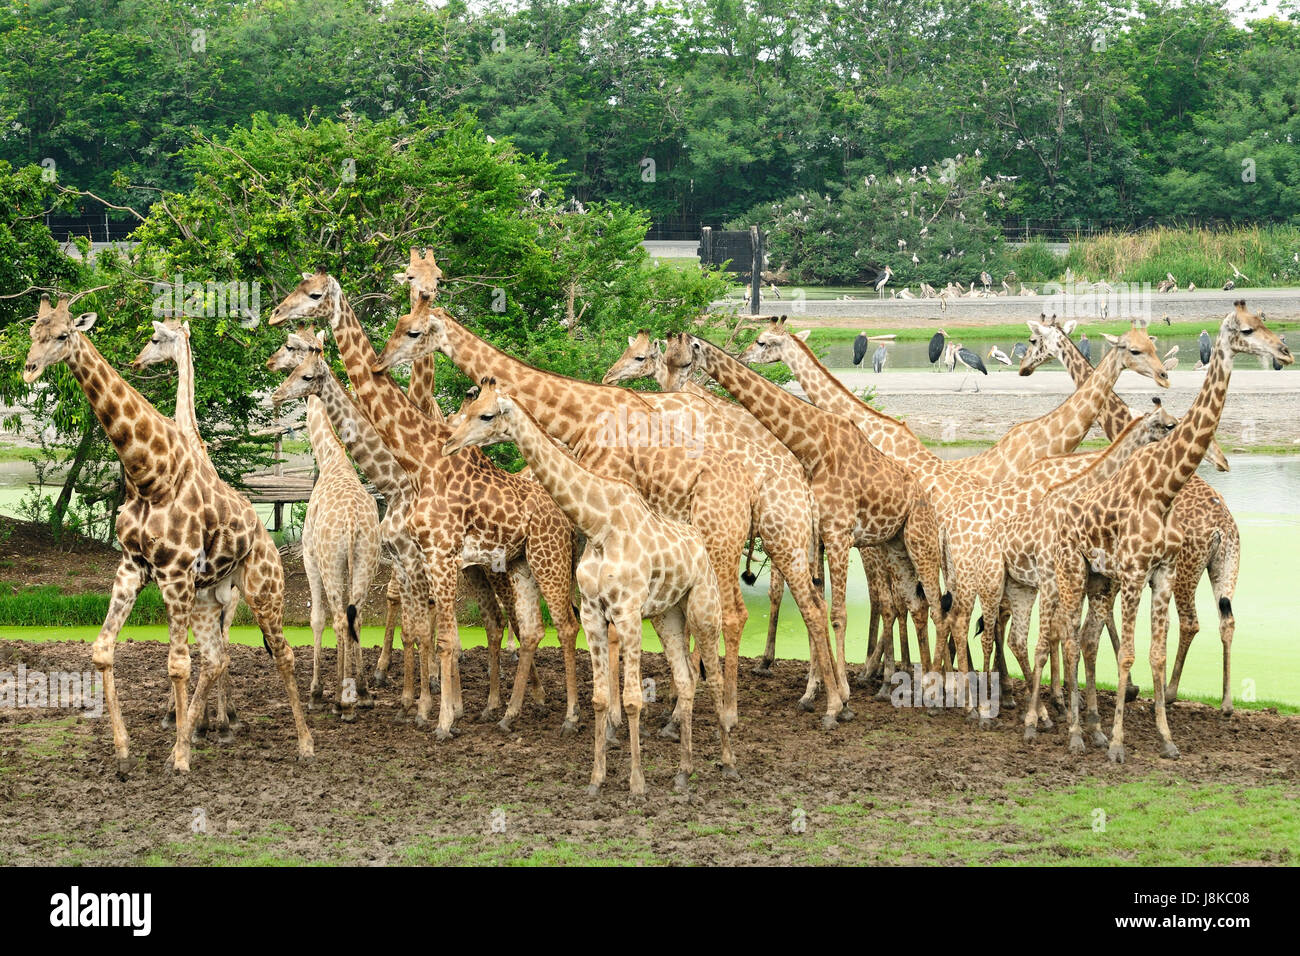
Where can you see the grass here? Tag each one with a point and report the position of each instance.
(49, 605)
(1201, 256)
(498, 851)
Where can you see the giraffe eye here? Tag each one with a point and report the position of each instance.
(1247, 331)
(63, 336)
(413, 334)
(486, 418)
(314, 295)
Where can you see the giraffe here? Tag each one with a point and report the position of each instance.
(170, 342)
(864, 498)
(1122, 529)
(468, 513)
(492, 592)
(996, 535)
(340, 552)
(1211, 541)
(597, 421)
(637, 565)
(179, 525)
(1056, 433)
(643, 358)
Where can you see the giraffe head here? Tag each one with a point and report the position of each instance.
(317, 296)
(53, 336)
(165, 345)
(640, 359)
(484, 419)
(307, 379)
(1047, 340)
(1245, 331)
(421, 274)
(774, 344)
(296, 348)
(1155, 424)
(684, 355)
(422, 331)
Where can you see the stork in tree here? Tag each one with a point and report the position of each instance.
(986, 280)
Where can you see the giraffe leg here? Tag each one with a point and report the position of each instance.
(127, 583)
(632, 698)
(319, 615)
(1187, 574)
(596, 628)
(672, 634)
(1091, 641)
(1223, 578)
(416, 623)
(528, 614)
(838, 545)
(263, 586)
(488, 591)
(205, 617)
(1022, 605)
(775, 591)
(178, 597)
(393, 602)
(345, 700)
(1161, 590)
(442, 571)
(228, 723)
(1130, 595)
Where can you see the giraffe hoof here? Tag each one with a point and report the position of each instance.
(1030, 733)
(1099, 739)
(681, 783)
(444, 735)
(1168, 750)
(729, 773)
(806, 704)
(1116, 753)
(1227, 711)
(593, 790)
(489, 714)
(226, 736)
(762, 669)
(845, 714)
(988, 723)
(569, 727)
(348, 716)
(637, 794)
(366, 703)
(829, 722)
(1076, 744)
(1132, 693)
(306, 756)
(504, 724)
(933, 711)
(124, 766)
(169, 720)
(380, 678)
(669, 731)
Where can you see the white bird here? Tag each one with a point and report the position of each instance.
(915, 260)
(883, 281)
(998, 355)
(1236, 274)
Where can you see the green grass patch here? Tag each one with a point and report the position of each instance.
(212, 851)
(48, 605)
(496, 851)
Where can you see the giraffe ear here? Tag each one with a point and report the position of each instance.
(306, 275)
(1112, 339)
(85, 321)
(160, 328)
(320, 337)
(631, 340)
(1069, 327)
(803, 336)
(401, 278)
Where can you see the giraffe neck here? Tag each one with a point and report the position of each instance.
(363, 442)
(826, 391)
(1107, 462)
(423, 387)
(150, 445)
(586, 499)
(1060, 430)
(1114, 415)
(331, 459)
(406, 431)
(1177, 457)
(185, 416)
(781, 413)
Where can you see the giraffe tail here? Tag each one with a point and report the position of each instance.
(748, 576)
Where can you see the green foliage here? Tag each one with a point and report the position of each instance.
(48, 606)
(934, 224)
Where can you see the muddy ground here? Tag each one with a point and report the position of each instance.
(384, 792)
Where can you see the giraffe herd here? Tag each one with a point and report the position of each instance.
(646, 506)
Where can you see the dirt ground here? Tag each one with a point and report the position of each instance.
(383, 792)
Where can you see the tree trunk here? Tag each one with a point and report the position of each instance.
(70, 480)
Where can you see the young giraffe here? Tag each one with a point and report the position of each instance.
(180, 525)
(492, 593)
(1211, 541)
(863, 496)
(170, 342)
(989, 523)
(597, 421)
(1122, 529)
(340, 552)
(637, 565)
(469, 512)
(643, 358)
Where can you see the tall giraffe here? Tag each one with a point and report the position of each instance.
(180, 525)
(468, 512)
(637, 564)
(1122, 530)
(170, 342)
(643, 358)
(340, 552)
(598, 421)
(1211, 541)
(864, 498)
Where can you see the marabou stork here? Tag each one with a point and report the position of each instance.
(859, 348)
(1018, 351)
(883, 281)
(1203, 340)
(936, 345)
(1085, 347)
(878, 360)
(973, 362)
